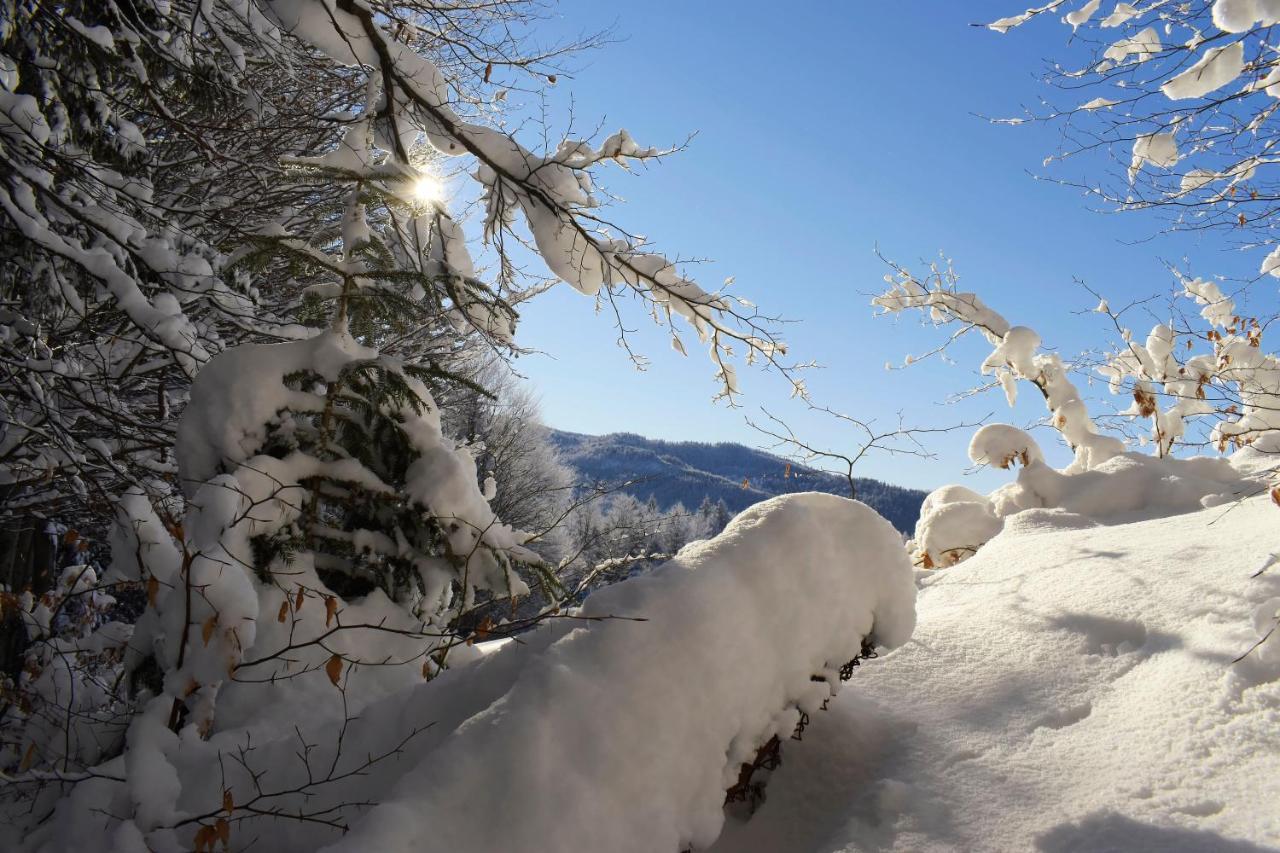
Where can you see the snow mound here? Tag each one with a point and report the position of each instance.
(1126, 488)
(1066, 690)
(956, 521)
(630, 732)
(1001, 445)
(950, 532)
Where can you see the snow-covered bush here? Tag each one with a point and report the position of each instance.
(1015, 355)
(624, 733)
(315, 472)
(1103, 483)
(1002, 445)
(952, 527)
(1235, 386)
(62, 709)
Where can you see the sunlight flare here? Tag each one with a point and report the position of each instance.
(427, 190)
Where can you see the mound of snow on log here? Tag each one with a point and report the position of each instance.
(630, 732)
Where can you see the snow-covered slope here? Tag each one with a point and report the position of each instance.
(689, 471)
(1069, 688)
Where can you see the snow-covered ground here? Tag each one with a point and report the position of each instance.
(1069, 688)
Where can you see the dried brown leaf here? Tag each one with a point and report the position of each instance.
(333, 669)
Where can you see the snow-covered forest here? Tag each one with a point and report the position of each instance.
(290, 560)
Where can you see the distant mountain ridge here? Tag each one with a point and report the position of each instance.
(687, 471)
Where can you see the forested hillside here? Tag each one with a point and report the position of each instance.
(687, 471)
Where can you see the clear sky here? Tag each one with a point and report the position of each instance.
(823, 130)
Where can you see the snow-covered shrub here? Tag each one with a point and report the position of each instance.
(1015, 355)
(624, 734)
(1001, 445)
(953, 527)
(63, 710)
(1103, 482)
(316, 472)
(1235, 386)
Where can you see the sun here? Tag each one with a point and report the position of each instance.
(427, 190)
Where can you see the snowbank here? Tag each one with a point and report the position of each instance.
(955, 521)
(1066, 690)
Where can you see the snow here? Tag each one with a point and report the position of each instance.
(1143, 46)
(553, 192)
(1271, 263)
(1098, 104)
(1215, 69)
(1001, 445)
(241, 391)
(631, 732)
(617, 734)
(1067, 689)
(1158, 149)
(1128, 486)
(1270, 84)
(1097, 664)
(1195, 179)
(1005, 24)
(1102, 486)
(1083, 14)
(952, 531)
(1015, 355)
(1015, 350)
(1122, 13)
(1237, 363)
(1238, 16)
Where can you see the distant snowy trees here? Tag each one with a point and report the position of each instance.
(620, 536)
(533, 490)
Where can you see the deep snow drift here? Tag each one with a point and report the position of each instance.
(1069, 688)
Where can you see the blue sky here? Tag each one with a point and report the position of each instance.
(824, 130)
